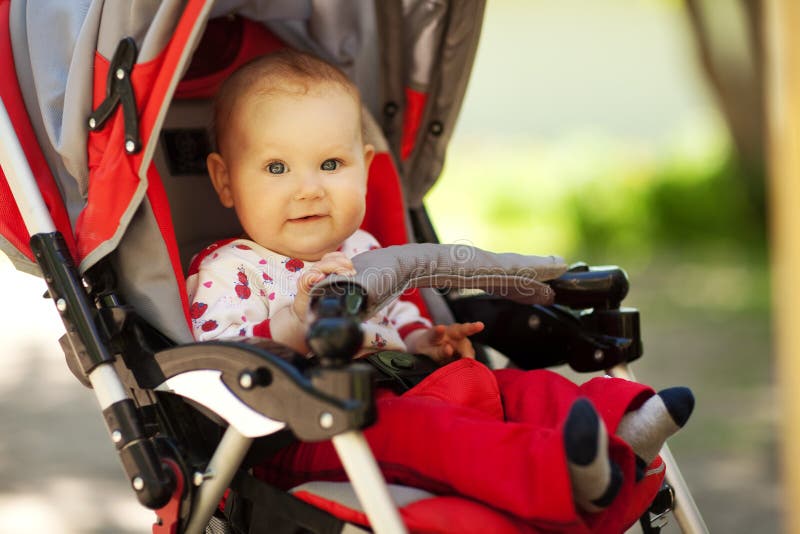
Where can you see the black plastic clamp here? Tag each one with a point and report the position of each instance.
(330, 401)
(119, 90)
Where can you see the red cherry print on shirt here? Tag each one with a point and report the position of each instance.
(242, 291)
(242, 247)
(379, 342)
(242, 287)
(266, 277)
(209, 325)
(293, 265)
(197, 309)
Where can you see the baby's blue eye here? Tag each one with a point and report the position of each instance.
(276, 167)
(329, 165)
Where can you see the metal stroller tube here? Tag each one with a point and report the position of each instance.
(219, 473)
(21, 181)
(368, 482)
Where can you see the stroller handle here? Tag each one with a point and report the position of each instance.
(582, 287)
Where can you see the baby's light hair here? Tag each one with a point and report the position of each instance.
(284, 71)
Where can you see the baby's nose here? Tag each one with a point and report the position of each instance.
(310, 186)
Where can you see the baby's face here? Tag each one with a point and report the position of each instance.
(295, 170)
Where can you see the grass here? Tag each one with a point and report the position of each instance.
(609, 201)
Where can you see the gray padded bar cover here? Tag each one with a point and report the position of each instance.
(387, 272)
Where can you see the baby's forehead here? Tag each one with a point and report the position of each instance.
(301, 88)
(275, 94)
(271, 91)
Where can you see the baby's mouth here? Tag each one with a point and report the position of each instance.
(307, 218)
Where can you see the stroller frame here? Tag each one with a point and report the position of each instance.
(68, 292)
(156, 485)
(153, 483)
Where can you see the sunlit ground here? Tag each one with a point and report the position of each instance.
(58, 469)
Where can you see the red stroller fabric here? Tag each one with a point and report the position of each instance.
(493, 437)
(12, 227)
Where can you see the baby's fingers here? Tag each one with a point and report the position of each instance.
(464, 348)
(473, 328)
(438, 334)
(462, 330)
(335, 262)
(454, 348)
(308, 279)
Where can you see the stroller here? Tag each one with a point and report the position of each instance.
(104, 138)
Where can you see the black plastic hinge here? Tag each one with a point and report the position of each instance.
(85, 340)
(119, 90)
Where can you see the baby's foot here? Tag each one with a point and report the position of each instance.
(647, 428)
(595, 479)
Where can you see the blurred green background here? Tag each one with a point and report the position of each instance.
(592, 131)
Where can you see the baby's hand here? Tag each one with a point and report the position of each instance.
(332, 262)
(444, 342)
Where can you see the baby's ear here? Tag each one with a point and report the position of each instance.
(369, 153)
(220, 178)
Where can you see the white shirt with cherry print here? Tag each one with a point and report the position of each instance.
(235, 286)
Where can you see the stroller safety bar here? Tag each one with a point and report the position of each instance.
(386, 273)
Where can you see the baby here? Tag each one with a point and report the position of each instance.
(292, 162)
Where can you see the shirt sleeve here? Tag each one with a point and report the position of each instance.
(405, 316)
(224, 302)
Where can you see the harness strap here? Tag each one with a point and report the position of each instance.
(400, 371)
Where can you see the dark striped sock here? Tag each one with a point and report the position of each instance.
(647, 428)
(595, 479)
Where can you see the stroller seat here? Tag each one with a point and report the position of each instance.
(139, 310)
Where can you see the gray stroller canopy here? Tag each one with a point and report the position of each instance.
(426, 45)
(393, 51)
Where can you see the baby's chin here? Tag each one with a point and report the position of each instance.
(306, 254)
